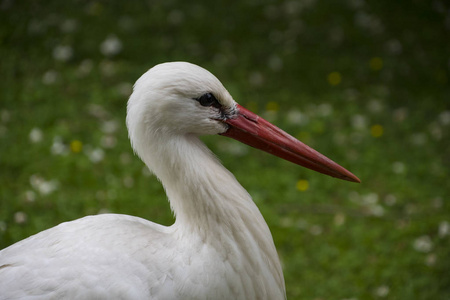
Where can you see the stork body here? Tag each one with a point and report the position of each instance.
(219, 247)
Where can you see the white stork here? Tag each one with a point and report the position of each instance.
(219, 247)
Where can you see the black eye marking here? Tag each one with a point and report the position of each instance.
(208, 99)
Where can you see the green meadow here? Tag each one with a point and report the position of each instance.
(364, 82)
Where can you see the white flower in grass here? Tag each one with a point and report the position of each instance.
(369, 22)
(125, 89)
(375, 106)
(30, 196)
(419, 139)
(5, 116)
(125, 158)
(20, 217)
(400, 114)
(69, 25)
(97, 111)
(394, 47)
(62, 53)
(423, 244)
(50, 77)
(128, 181)
(430, 260)
(104, 211)
(444, 229)
(275, 63)
(324, 109)
(35, 180)
(175, 17)
(315, 230)
(85, 67)
(286, 222)
(382, 291)
(3, 226)
(339, 219)
(444, 117)
(371, 202)
(48, 187)
(108, 141)
(359, 122)
(110, 126)
(95, 155)
(390, 199)
(36, 135)
(370, 199)
(256, 78)
(111, 46)
(376, 210)
(398, 167)
(58, 147)
(43, 186)
(296, 117)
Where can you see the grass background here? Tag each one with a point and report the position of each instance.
(364, 82)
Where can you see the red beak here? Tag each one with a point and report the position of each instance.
(254, 131)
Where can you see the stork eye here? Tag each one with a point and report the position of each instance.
(208, 99)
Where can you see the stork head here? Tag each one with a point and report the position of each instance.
(179, 98)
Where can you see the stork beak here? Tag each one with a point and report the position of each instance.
(254, 131)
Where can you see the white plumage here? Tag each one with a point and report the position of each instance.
(219, 246)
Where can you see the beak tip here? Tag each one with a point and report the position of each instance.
(356, 180)
(352, 178)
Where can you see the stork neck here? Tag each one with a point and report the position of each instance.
(200, 190)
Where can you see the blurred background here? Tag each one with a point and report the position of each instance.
(364, 82)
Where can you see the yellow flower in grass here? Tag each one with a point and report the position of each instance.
(76, 146)
(334, 78)
(272, 106)
(376, 130)
(376, 63)
(302, 185)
